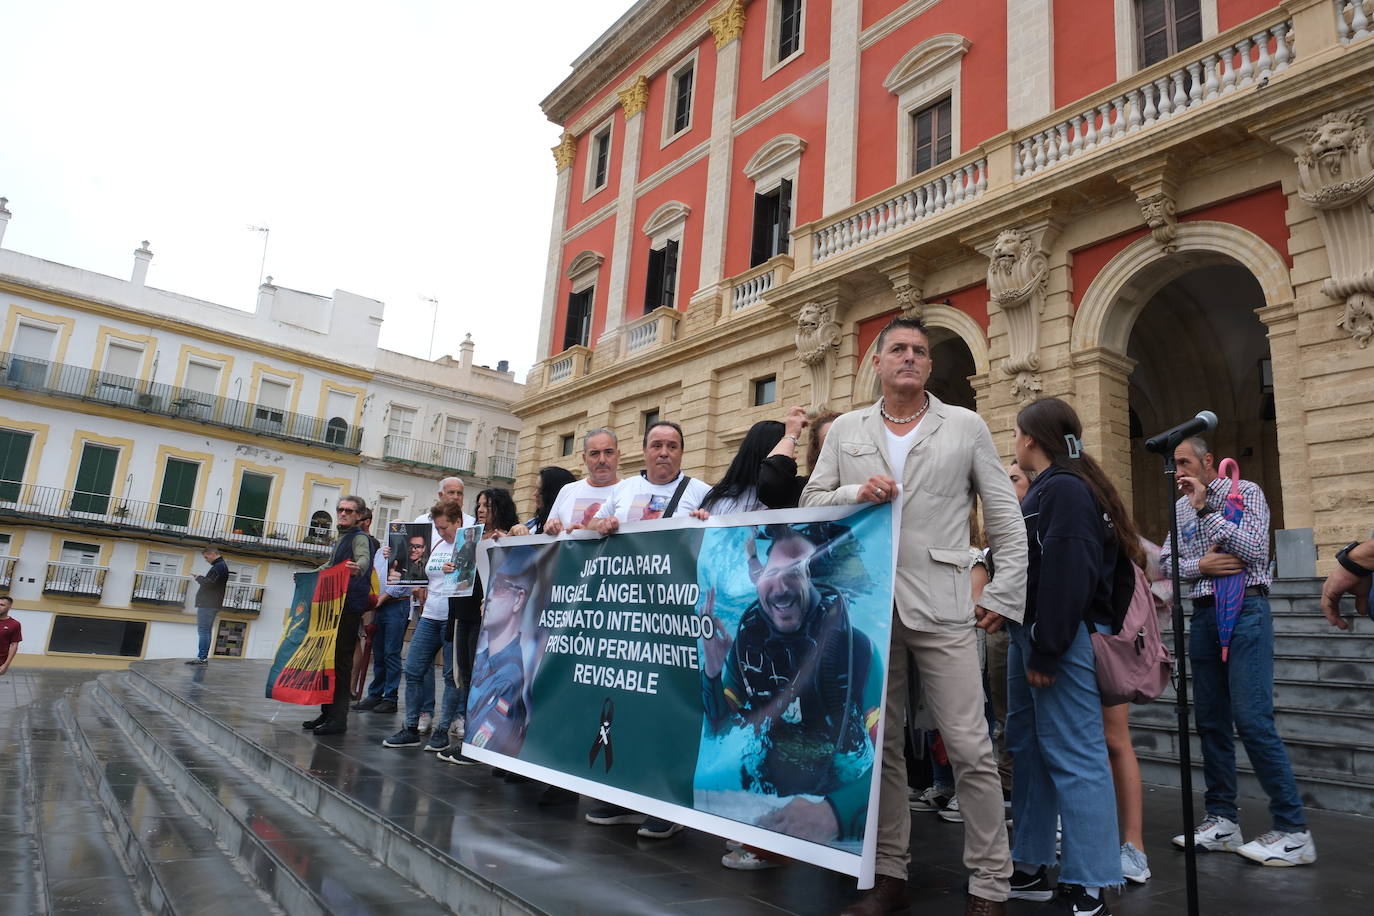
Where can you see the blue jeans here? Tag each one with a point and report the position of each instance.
(1055, 736)
(205, 623)
(1237, 697)
(427, 639)
(391, 620)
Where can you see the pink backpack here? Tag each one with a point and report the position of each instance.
(1133, 665)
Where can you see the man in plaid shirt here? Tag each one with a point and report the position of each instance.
(1238, 693)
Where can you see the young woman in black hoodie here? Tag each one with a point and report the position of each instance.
(1076, 524)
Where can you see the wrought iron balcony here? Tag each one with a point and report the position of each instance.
(429, 454)
(75, 579)
(182, 524)
(25, 373)
(245, 598)
(160, 588)
(501, 467)
(7, 570)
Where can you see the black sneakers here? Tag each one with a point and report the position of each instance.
(1081, 903)
(406, 737)
(1034, 887)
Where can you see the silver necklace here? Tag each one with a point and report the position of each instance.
(882, 409)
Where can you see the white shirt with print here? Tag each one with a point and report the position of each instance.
(635, 499)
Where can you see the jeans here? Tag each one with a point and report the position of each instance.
(1055, 736)
(391, 621)
(428, 639)
(205, 623)
(465, 649)
(1237, 697)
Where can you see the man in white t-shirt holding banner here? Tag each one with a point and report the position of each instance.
(578, 502)
(661, 490)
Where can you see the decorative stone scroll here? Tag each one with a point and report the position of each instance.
(818, 344)
(907, 276)
(1159, 213)
(1016, 283)
(728, 24)
(565, 153)
(1336, 177)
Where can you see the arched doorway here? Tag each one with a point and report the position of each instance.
(1197, 344)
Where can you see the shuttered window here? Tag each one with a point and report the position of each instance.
(95, 478)
(178, 492)
(14, 457)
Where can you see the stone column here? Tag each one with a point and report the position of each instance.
(842, 106)
(632, 101)
(1101, 395)
(1290, 413)
(1030, 61)
(727, 28)
(564, 155)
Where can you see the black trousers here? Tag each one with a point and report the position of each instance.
(345, 641)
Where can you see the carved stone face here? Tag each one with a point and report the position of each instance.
(1335, 134)
(1008, 248)
(810, 317)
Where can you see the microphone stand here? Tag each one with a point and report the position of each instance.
(1185, 759)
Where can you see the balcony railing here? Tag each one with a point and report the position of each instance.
(1216, 69)
(160, 588)
(429, 454)
(501, 466)
(75, 579)
(1354, 19)
(104, 511)
(657, 327)
(7, 570)
(28, 374)
(245, 598)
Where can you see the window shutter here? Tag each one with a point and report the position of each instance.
(653, 288)
(784, 216)
(95, 479)
(14, 457)
(669, 296)
(763, 230)
(178, 490)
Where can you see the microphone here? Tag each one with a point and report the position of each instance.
(1168, 440)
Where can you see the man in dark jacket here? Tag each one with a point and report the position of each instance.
(209, 601)
(355, 548)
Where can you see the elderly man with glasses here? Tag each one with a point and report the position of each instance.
(354, 547)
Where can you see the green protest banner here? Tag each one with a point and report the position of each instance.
(728, 675)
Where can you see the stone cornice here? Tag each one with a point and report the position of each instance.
(619, 47)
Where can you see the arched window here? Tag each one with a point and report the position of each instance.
(336, 431)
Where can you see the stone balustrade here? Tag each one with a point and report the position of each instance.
(748, 289)
(913, 201)
(657, 327)
(1354, 19)
(1223, 66)
(571, 364)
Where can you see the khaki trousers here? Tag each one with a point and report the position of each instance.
(947, 663)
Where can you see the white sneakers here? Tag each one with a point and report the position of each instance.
(1214, 834)
(1273, 848)
(1282, 849)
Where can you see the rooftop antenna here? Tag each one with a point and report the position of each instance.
(266, 233)
(433, 325)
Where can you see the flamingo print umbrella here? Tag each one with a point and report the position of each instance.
(1229, 590)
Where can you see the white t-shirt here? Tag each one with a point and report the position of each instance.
(440, 583)
(635, 499)
(898, 447)
(578, 502)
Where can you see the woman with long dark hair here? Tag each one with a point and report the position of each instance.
(1077, 526)
(780, 485)
(738, 490)
(551, 480)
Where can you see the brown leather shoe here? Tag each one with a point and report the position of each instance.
(977, 906)
(888, 895)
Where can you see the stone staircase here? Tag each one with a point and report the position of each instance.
(144, 804)
(1323, 703)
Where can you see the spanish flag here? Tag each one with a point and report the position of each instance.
(303, 670)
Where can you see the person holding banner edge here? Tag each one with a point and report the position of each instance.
(579, 501)
(944, 457)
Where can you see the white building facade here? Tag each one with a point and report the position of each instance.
(138, 426)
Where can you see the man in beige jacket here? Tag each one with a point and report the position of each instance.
(933, 459)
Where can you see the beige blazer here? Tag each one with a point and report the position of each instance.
(951, 461)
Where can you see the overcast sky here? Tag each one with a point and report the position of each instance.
(395, 150)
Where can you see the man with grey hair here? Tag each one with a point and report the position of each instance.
(209, 600)
(578, 502)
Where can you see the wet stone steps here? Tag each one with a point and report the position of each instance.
(178, 868)
(304, 866)
(23, 889)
